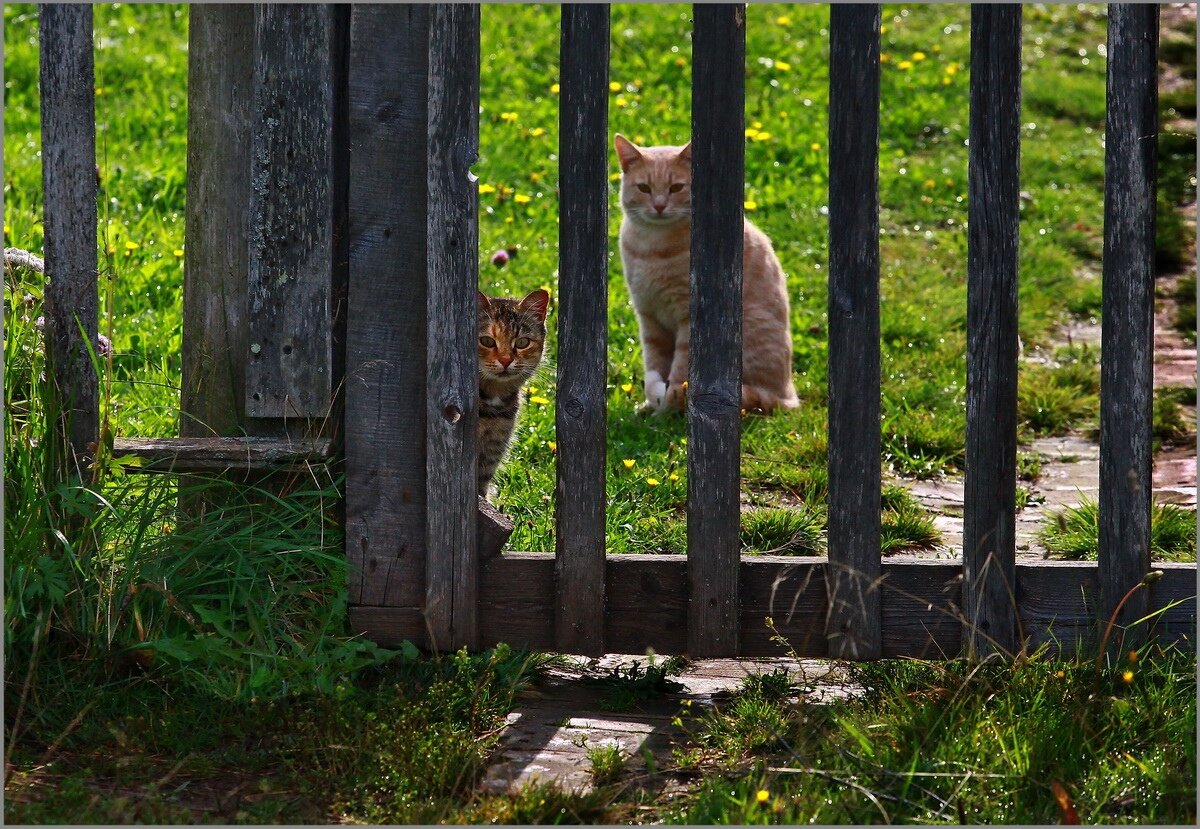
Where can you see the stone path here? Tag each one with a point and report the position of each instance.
(550, 730)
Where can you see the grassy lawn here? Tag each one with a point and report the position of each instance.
(156, 665)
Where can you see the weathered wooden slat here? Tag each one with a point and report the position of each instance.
(219, 454)
(921, 603)
(452, 379)
(1126, 367)
(853, 627)
(292, 211)
(714, 365)
(386, 328)
(581, 408)
(69, 218)
(989, 515)
(215, 348)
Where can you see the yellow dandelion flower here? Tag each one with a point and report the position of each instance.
(621, 101)
(929, 184)
(751, 133)
(508, 220)
(613, 86)
(937, 47)
(508, 116)
(541, 401)
(1127, 677)
(763, 136)
(652, 481)
(783, 20)
(763, 796)
(131, 246)
(952, 69)
(553, 446)
(949, 182)
(537, 132)
(629, 462)
(1061, 674)
(99, 90)
(815, 147)
(904, 64)
(627, 388)
(918, 56)
(1133, 656)
(110, 249)
(521, 198)
(535, 176)
(672, 477)
(885, 58)
(758, 125)
(783, 65)
(484, 189)
(750, 205)
(945, 80)
(178, 252)
(883, 30)
(555, 89)
(532, 390)
(681, 61)
(7, 229)
(615, 177)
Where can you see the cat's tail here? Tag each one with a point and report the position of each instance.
(766, 400)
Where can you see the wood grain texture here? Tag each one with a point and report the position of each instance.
(452, 378)
(714, 363)
(259, 454)
(216, 260)
(989, 514)
(386, 327)
(1127, 318)
(921, 604)
(853, 627)
(69, 225)
(293, 211)
(581, 404)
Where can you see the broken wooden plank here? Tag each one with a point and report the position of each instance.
(251, 454)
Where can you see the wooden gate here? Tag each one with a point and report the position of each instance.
(332, 262)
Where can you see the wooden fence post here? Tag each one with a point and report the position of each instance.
(69, 184)
(1127, 338)
(581, 408)
(452, 380)
(714, 364)
(854, 627)
(989, 525)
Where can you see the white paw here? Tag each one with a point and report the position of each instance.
(656, 391)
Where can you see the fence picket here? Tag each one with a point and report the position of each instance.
(72, 304)
(989, 515)
(1127, 336)
(294, 209)
(854, 623)
(385, 330)
(583, 329)
(452, 378)
(714, 364)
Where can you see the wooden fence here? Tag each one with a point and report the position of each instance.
(332, 259)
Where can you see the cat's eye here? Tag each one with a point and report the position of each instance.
(645, 188)
(487, 342)
(676, 187)
(523, 342)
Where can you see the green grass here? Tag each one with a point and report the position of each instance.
(607, 763)
(1074, 532)
(165, 670)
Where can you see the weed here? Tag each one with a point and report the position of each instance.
(784, 531)
(1074, 532)
(607, 763)
(627, 685)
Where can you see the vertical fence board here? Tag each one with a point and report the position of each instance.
(989, 516)
(292, 212)
(853, 627)
(1126, 368)
(385, 331)
(220, 79)
(583, 329)
(69, 222)
(452, 572)
(714, 365)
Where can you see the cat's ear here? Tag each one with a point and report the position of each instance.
(484, 302)
(627, 151)
(537, 302)
(686, 153)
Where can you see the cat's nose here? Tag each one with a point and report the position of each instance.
(660, 208)
(505, 361)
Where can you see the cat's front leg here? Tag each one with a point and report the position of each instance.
(658, 346)
(676, 397)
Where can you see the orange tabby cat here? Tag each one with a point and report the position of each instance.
(656, 253)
